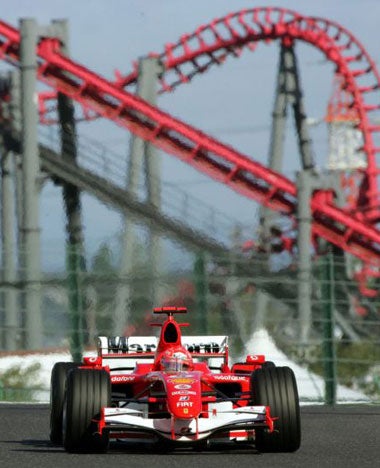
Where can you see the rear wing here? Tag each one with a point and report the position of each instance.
(144, 347)
(170, 310)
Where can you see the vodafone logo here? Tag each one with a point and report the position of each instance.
(229, 378)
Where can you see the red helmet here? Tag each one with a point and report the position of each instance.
(176, 360)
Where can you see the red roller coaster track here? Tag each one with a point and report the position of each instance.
(213, 43)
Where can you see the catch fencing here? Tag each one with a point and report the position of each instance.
(253, 299)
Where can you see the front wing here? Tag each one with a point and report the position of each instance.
(126, 423)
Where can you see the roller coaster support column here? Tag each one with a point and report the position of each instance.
(141, 153)
(11, 240)
(307, 182)
(305, 189)
(71, 198)
(8, 223)
(201, 286)
(150, 69)
(275, 162)
(275, 159)
(30, 170)
(288, 91)
(16, 124)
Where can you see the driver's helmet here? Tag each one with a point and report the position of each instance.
(176, 361)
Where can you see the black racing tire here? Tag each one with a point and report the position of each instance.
(57, 397)
(87, 392)
(268, 364)
(276, 387)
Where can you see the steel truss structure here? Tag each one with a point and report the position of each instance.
(352, 230)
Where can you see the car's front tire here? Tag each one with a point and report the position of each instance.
(276, 387)
(87, 392)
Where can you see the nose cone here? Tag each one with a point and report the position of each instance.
(184, 395)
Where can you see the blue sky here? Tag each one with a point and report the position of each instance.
(109, 35)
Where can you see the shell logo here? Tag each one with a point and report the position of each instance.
(182, 381)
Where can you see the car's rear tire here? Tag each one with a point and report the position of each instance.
(268, 364)
(57, 397)
(276, 387)
(87, 392)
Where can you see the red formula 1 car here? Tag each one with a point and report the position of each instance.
(171, 392)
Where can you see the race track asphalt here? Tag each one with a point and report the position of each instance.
(343, 436)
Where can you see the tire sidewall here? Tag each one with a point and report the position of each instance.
(87, 392)
(276, 387)
(57, 397)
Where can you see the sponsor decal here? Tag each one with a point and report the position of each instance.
(211, 347)
(181, 380)
(184, 404)
(92, 361)
(122, 378)
(256, 358)
(183, 392)
(182, 386)
(228, 378)
(184, 398)
(185, 410)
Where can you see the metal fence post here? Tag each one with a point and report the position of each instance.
(329, 353)
(73, 260)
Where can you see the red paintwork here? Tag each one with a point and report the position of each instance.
(192, 407)
(352, 232)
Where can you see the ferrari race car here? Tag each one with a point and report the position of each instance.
(172, 391)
